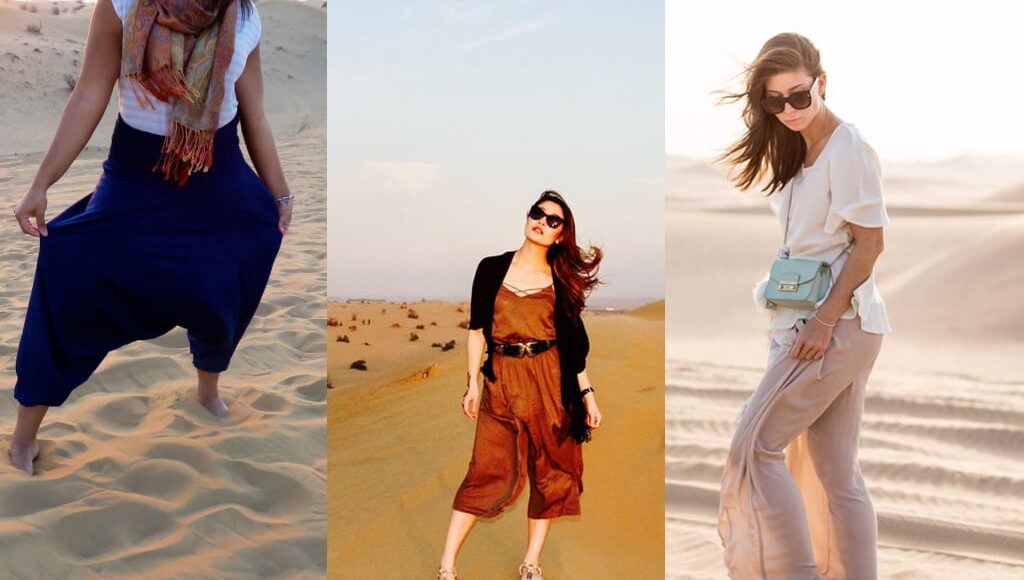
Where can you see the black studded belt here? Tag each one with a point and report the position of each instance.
(521, 349)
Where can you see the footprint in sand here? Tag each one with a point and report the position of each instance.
(271, 492)
(313, 392)
(124, 413)
(109, 531)
(159, 478)
(58, 429)
(104, 468)
(67, 449)
(271, 403)
(196, 456)
(25, 498)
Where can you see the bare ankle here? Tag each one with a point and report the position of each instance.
(22, 445)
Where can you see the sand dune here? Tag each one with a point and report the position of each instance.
(136, 479)
(943, 469)
(1013, 193)
(944, 420)
(964, 181)
(398, 448)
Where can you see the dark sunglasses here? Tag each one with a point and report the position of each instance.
(554, 221)
(799, 100)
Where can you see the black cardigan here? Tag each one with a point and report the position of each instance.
(573, 343)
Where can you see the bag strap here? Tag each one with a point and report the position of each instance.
(789, 215)
(789, 207)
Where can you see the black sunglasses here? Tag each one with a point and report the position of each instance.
(554, 221)
(799, 100)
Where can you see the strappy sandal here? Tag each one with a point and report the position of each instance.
(447, 573)
(530, 572)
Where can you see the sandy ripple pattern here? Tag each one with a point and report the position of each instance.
(942, 455)
(136, 479)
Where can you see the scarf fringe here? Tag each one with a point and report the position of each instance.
(166, 84)
(184, 152)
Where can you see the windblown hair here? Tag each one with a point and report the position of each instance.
(768, 148)
(575, 269)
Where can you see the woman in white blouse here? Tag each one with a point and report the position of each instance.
(793, 503)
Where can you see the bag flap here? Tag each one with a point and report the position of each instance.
(797, 270)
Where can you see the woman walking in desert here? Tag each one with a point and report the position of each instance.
(537, 406)
(793, 503)
(179, 230)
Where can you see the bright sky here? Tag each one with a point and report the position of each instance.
(448, 117)
(922, 80)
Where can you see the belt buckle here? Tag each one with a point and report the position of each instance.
(520, 349)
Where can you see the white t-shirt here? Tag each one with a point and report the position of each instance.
(842, 187)
(157, 120)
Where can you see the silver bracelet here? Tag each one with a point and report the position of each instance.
(823, 322)
(284, 197)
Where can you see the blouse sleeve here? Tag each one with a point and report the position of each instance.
(477, 316)
(855, 182)
(121, 8)
(258, 25)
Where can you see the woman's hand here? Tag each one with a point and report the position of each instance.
(593, 413)
(33, 205)
(284, 213)
(811, 340)
(471, 399)
(259, 140)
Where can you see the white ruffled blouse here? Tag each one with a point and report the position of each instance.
(842, 187)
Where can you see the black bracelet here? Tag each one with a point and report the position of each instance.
(586, 391)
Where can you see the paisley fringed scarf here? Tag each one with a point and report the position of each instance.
(179, 51)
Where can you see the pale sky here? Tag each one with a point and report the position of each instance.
(921, 80)
(448, 118)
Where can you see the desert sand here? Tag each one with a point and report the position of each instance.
(136, 479)
(944, 419)
(399, 446)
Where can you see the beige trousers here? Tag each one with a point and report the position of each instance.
(793, 502)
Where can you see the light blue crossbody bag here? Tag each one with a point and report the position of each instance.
(798, 283)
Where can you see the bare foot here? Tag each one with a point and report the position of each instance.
(22, 456)
(216, 406)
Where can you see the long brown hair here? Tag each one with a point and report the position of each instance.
(768, 148)
(574, 269)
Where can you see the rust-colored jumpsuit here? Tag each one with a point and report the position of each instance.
(522, 428)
